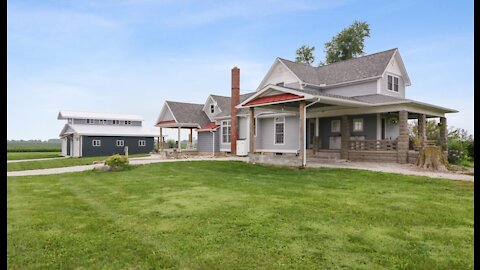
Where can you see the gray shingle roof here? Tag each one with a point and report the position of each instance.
(188, 112)
(363, 67)
(224, 103)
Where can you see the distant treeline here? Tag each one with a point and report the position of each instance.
(52, 145)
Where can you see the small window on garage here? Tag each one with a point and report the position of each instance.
(141, 142)
(120, 142)
(96, 143)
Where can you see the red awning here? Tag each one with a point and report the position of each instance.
(273, 98)
(208, 127)
(166, 122)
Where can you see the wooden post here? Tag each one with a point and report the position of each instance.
(179, 144)
(190, 138)
(126, 151)
(345, 133)
(252, 130)
(302, 132)
(160, 145)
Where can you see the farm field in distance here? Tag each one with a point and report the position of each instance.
(234, 215)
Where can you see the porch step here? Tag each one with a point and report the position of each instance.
(324, 159)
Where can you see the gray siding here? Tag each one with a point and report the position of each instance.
(369, 128)
(109, 145)
(109, 122)
(359, 89)
(205, 141)
(265, 136)
(325, 131)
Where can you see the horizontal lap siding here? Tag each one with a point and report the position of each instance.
(205, 141)
(109, 146)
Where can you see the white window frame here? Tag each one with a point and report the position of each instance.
(128, 122)
(393, 83)
(116, 122)
(120, 143)
(332, 125)
(357, 120)
(227, 124)
(278, 120)
(142, 142)
(90, 121)
(96, 143)
(212, 108)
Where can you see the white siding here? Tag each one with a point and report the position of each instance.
(64, 146)
(392, 69)
(76, 146)
(360, 89)
(279, 73)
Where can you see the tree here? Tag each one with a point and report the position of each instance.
(348, 43)
(305, 54)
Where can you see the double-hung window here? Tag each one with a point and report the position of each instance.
(335, 126)
(141, 142)
(96, 143)
(116, 122)
(279, 128)
(212, 108)
(128, 122)
(90, 121)
(392, 83)
(226, 130)
(358, 124)
(120, 142)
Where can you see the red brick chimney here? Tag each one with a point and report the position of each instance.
(235, 100)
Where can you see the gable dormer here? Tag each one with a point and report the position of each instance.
(211, 108)
(395, 78)
(279, 74)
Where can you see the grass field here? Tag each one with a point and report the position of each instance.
(31, 155)
(233, 215)
(33, 147)
(56, 163)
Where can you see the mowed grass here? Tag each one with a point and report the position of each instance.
(31, 155)
(57, 163)
(233, 215)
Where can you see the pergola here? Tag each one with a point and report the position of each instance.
(178, 126)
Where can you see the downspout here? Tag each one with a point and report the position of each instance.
(304, 133)
(213, 144)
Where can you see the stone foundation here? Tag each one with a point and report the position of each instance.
(373, 156)
(286, 159)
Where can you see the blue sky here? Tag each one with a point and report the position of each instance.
(130, 56)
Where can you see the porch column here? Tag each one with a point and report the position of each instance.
(179, 146)
(160, 144)
(402, 141)
(422, 121)
(345, 132)
(443, 133)
(190, 138)
(252, 130)
(317, 135)
(302, 132)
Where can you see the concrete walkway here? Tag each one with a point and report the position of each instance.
(133, 161)
(35, 159)
(408, 169)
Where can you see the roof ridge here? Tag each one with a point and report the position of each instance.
(184, 102)
(354, 58)
(98, 112)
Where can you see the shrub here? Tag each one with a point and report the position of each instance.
(117, 161)
(456, 151)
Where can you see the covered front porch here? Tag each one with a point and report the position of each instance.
(178, 127)
(340, 127)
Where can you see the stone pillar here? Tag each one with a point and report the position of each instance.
(443, 133)
(252, 130)
(345, 131)
(402, 141)
(422, 135)
(302, 132)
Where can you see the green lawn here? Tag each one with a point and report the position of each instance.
(56, 163)
(233, 215)
(31, 155)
